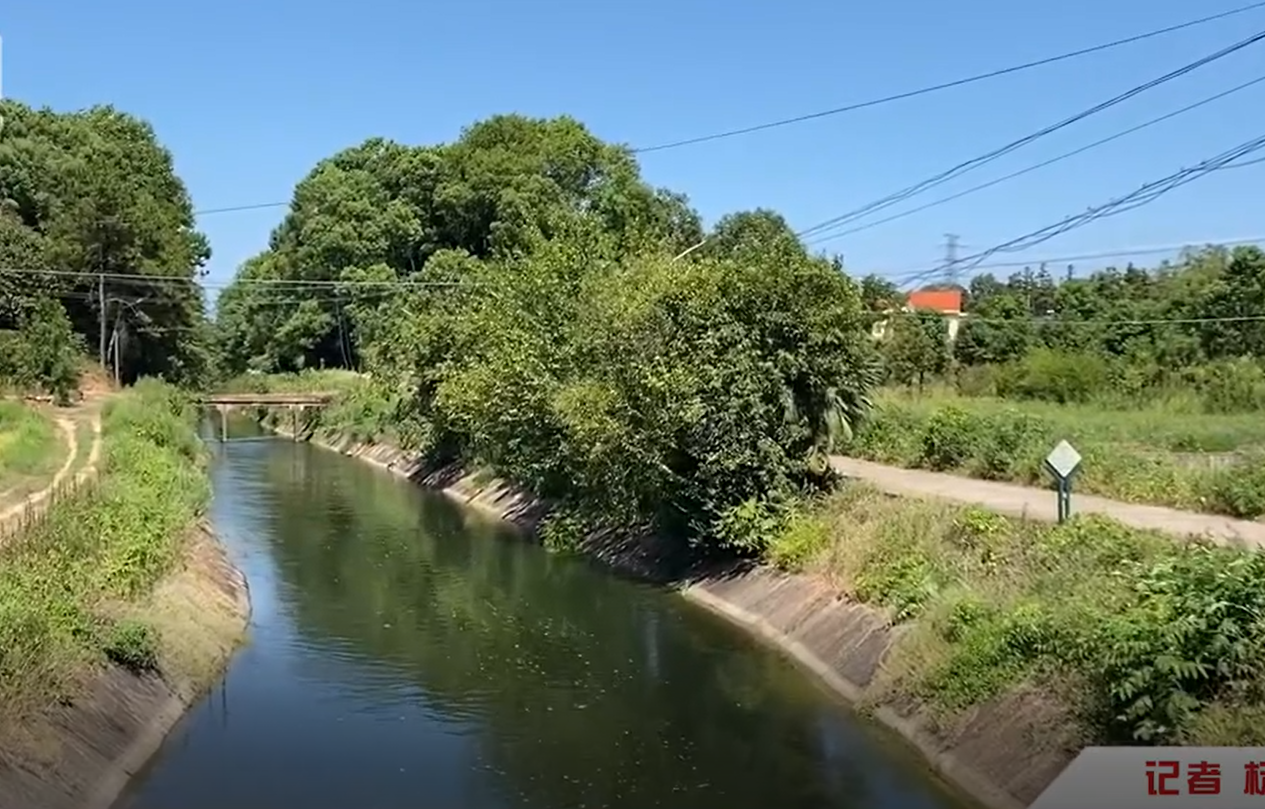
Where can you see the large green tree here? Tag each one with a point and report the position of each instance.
(525, 298)
(381, 210)
(91, 196)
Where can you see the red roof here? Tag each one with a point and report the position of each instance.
(945, 301)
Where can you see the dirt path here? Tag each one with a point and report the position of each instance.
(1039, 504)
(14, 515)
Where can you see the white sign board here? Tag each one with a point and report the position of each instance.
(1063, 459)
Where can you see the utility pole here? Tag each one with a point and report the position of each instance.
(951, 259)
(101, 316)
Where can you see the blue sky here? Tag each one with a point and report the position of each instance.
(249, 96)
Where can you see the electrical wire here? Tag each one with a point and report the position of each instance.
(1115, 253)
(347, 291)
(1146, 194)
(1103, 141)
(947, 85)
(976, 162)
(874, 102)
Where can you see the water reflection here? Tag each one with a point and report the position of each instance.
(406, 653)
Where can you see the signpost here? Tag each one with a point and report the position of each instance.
(1062, 463)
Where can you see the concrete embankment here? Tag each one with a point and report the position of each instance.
(1002, 754)
(81, 753)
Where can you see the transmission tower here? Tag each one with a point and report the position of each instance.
(951, 258)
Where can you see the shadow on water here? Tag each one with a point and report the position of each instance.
(405, 652)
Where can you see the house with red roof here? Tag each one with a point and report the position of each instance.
(945, 302)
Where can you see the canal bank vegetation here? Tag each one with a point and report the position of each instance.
(513, 300)
(74, 586)
(1143, 640)
(31, 449)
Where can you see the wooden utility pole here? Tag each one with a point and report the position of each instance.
(101, 317)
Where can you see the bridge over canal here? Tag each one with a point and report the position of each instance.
(296, 403)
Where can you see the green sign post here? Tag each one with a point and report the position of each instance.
(1062, 463)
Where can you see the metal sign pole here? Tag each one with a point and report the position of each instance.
(1062, 463)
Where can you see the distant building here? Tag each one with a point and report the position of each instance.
(945, 302)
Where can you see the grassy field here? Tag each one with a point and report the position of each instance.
(65, 584)
(32, 449)
(1147, 640)
(1166, 455)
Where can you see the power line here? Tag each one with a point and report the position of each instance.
(1115, 253)
(969, 165)
(1149, 192)
(947, 85)
(871, 102)
(973, 189)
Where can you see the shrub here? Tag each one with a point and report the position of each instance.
(133, 645)
(1231, 386)
(951, 437)
(1237, 490)
(1053, 376)
(804, 536)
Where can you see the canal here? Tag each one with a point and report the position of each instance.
(406, 654)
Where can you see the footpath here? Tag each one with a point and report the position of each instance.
(74, 470)
(1031, 503)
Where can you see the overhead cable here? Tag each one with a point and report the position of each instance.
(1049, 60)
(1087, 147)
(976, 162)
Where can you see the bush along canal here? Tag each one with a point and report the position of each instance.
(408, 652)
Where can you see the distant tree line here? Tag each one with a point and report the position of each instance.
(1129, 334)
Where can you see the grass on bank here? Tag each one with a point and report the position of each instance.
(31, 448)
(1145, 639)
(67, 584)
(1162, 455)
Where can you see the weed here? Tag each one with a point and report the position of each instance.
(108, 543)
(29, 444)
(133, 645)
(1165, 637)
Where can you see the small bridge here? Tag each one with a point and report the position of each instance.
(294, 402)
(267, 399)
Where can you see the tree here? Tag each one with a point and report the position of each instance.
(517, 299)
(47, 351)
(916, 348)
(385, 208)
(90, 193)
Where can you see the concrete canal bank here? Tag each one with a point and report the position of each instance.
(81, 753)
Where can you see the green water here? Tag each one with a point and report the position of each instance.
(407, 654)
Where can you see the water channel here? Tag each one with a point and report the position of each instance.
(407, 654)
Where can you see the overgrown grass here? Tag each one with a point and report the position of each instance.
(31, 445)
(64, 582)
(1158, 642)
(1161, 455)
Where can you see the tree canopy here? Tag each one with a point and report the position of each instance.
(521, 294)
(92, 194)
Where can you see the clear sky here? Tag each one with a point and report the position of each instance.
(249, 96)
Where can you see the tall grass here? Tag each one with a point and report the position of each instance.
(1155, 455)
(30, 445)
(1149, 640)
(63, 582)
